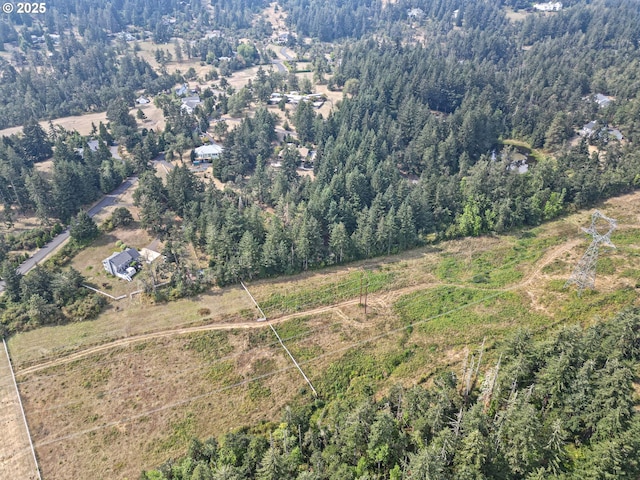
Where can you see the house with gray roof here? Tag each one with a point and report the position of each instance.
(603, 101)
(122, 264)
(208, 152)
(189, 104)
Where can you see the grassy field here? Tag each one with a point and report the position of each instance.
(142, 397)
(129, 318)
(16, 458)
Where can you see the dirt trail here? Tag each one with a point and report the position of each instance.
(383, 299)
(547, 259)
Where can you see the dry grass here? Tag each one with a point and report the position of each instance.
(131, 408)
(516, 16)
(21, 223)
(81, 123)
(155, 119)
(122, 407)
(128, 318)
(16, 459)
(277, 19)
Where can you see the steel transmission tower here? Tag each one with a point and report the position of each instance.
(584, 275)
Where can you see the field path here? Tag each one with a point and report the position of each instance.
(547, 259)
(384, 299)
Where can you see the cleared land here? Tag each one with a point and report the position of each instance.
(16, 459)
(81, 123)
(127, 391)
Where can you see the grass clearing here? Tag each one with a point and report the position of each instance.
(467, 315)
(126, 319)
(140, 399)
(297, 298)
(89, 261)
(16, 460)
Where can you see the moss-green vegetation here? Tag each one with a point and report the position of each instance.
(500, 266)
(293, 329)
(210, 345)
(295, 298)
(467, 313)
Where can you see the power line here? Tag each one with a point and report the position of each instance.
(24, 418)
(584, 274)
(268, 374)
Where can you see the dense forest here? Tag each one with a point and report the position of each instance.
(414, 151)
(415, 148)
(563, 407)
(79, 58)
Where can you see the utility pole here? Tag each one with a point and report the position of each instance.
(366, 294)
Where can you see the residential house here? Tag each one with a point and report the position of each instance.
(208, 153)
(283, 38)
(122, 264)
(548, 7)
(615, 133)
(182, 90)
(603, 101)
(189, 104)
(275, 98)
(589, 129)
(93, 146)
(142, 100)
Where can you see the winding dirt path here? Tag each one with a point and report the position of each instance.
(382, 299)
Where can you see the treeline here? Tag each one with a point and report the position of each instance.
(407, 154)
(75, 180)
(76, 78)
(563, 407)
(44, 297)
(328, 22)
(98, 21)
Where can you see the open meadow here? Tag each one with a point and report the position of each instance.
(128, 390)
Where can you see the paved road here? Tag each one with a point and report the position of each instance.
(279, 65)
(284, 53)
(51, 246)
(161, 161)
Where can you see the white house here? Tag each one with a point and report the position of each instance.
(209, 152)
(122, 264)
(142, 100)
(548, 7)
(189, 104)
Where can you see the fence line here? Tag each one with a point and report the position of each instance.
(104, 293)
(264, 318)
(294, 361)
(24, 417)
